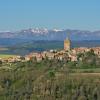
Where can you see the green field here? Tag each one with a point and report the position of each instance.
(6, 55)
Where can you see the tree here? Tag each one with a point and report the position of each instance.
(0, 63)
(52, 74)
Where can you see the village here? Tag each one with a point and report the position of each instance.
(68, 52)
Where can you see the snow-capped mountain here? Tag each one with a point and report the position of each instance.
(36, 31)
(57, 30)
(54, 34)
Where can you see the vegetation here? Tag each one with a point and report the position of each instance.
(51, 79)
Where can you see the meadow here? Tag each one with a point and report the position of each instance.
(6, 55)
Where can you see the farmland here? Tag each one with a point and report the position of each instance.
(6, 55)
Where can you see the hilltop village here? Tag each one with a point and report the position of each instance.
(67, 52)
(36, 76)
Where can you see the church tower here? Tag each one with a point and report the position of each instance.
(67, 44)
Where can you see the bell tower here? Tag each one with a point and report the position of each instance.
(67, 44)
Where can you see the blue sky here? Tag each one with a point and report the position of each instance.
(63, 14)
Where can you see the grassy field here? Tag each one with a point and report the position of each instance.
(6, 55)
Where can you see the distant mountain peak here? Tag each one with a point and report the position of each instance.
(38, 30)
(58, 30)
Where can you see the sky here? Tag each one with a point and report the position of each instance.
(60, 14)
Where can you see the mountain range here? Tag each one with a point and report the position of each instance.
(54, 34)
